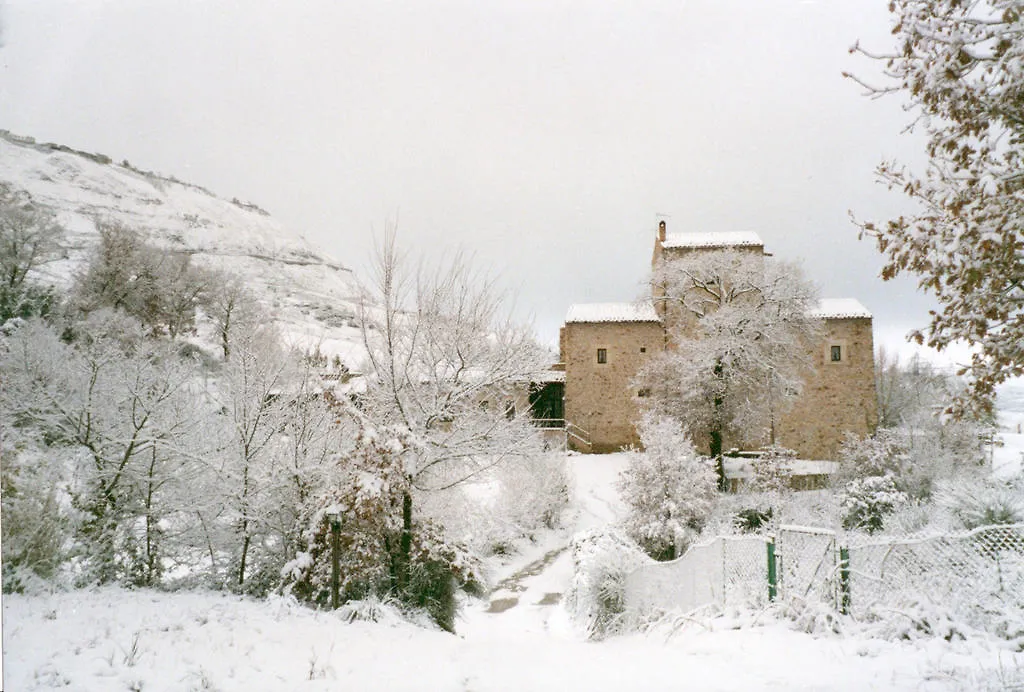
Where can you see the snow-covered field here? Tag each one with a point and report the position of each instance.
(112, 639)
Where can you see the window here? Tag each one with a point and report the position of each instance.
(602, 355)
(836, 353)
(643, 349)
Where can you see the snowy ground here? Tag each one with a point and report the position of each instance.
(1008, 458)
(520, 639)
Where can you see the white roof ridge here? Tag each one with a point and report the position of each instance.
(641, 311)
(840, 308)
(713, 239)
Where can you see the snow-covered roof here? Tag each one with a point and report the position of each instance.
(612, 312)
(549, 376)
(839, 308)
(741, 468)
(705, 240)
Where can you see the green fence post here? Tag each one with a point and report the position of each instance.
(773, 575)
(844, 580)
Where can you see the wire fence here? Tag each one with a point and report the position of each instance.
(977, 576)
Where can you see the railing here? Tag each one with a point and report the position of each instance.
(558, 423)
(577, 438)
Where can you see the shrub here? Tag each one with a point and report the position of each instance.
(866, 501)
(752, 520)
(596, 600)
(988, 502)
(34, 529)
(883, 453)
(668, 488)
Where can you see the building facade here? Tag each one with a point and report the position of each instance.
(603, 346)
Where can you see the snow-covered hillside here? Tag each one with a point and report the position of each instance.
(309, 295)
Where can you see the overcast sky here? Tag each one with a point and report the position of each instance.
(545, 138)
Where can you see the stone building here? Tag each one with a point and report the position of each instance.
(603, 345)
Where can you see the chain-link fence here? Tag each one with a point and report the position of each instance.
(976, 575)
(807, 562)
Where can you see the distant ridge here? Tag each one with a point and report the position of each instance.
(309, 295)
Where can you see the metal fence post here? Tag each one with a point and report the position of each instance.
(773, 574)
(844, 580)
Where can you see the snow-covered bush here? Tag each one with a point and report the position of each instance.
(34, 527)
(866, 502)
(975, 502)
(917, 517)
(504, 505)
(668, 489)
(883, 453)
(596, 599)
(533, 490)
(752, 519)
(771, 470)
(380, 553)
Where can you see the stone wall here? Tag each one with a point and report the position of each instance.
(838, 397)
(598, 397)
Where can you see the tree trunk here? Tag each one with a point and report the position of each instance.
(405, 543)
(715, 447)
(150, 524)
(245, 553)
(716, 454)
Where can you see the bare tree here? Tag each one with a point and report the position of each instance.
(29, 238)
(122, 405)
(443, 360)
(160, 288)
(232, 308)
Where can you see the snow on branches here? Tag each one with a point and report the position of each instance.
(960, 65)
(742, 327)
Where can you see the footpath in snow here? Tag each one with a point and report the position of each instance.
(518, 639)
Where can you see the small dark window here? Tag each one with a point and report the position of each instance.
(602, 355)
(643, 393)
(837, 353)
(643, 349)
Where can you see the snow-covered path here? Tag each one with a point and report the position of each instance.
(529, 589)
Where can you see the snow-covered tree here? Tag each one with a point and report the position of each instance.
(29, 238)
(444, 359)
(741, 331)
(232, 308)
(161, 288)
(911, 399)
(960, 67)
(668, 489)
(908, 391)
(371, 497)
(258, 387)
(117, 408)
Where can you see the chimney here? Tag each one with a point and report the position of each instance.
(661, 231)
